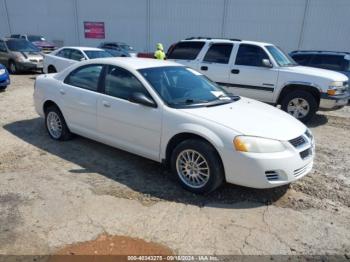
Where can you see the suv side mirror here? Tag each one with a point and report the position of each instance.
(267, 63)
(142, 99)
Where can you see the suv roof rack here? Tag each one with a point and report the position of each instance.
(210, 38)
(319, 51)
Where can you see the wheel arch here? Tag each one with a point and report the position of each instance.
(49, 103)
(180, 137)
(307, 87)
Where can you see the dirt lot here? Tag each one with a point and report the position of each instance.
(55, 194)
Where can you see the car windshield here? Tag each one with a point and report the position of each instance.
(281, 58)
(183, 87)
(20, 45)
(36, 38)
(97, 54)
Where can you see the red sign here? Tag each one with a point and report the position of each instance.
(94, 30)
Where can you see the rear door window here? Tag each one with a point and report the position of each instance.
(250, 55)
(186, 50)
(218, 53)
(331, 62)
(64, 53)
(86, 77)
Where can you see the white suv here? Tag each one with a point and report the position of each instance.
(264, 72)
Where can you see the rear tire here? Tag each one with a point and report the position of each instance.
(56, 125)
(197, 166)
(300, 104)
(51, 69)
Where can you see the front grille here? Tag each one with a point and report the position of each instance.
(304, 154)
(33, 60)
(299, 141)
(271, 175)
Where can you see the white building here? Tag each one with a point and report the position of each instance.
(291, 24)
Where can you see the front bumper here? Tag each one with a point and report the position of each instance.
(268, 170)
(4, 82)
(30, 65)
(334, 102)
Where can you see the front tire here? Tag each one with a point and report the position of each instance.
(197, 166)
(300, 104)
(13, 68)
(56, 125)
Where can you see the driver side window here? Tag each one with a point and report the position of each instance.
(250, 55)
(121, 83)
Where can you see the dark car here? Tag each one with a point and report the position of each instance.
(39, 41)
(336, 61)
(118, 49)
(4, 77)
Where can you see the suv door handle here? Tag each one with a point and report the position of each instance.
(106, 104)
(235, 71)
(204, 68)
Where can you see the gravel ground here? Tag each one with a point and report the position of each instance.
(53, 194)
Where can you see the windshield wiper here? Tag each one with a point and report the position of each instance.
(232, 96)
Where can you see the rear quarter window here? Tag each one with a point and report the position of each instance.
(186, 50)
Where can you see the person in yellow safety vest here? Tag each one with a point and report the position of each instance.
(159, 53)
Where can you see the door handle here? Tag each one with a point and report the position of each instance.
(106, 104)
(204, 68)
(235, 71)
(62, 92)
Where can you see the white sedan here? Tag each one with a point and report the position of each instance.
(172, 114)
(64, 57)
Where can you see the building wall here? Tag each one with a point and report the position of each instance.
(296, 24)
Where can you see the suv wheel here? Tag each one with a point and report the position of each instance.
(56, 125)
(197, 166)
(300, 104)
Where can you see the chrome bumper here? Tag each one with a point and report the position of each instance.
(334, 102)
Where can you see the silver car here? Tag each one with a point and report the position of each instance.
(20, 55)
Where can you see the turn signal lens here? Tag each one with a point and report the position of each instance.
(239, 145)
(331, 92)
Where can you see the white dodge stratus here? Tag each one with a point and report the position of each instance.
(172, 114)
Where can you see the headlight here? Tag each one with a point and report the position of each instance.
(257, 144)
(336, 88)
(2, 71)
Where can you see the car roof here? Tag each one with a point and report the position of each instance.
(133, 63)
(319, 52)
(224, 40)
(83, 48)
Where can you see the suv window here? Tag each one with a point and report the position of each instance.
(186, 50)
(219, 53)
(302, 59)
(65, 53)
(86, 77)
(250, 55)
(76, 55)
(331, 62)
(121, 83)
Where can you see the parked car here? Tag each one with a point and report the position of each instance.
(39, 41)
(118, 49)
(336, 61)
(264, 72)
(20, 55)
(66, 56)
(4, 77)
(172, 114)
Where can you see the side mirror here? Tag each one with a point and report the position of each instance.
(267, 63)
(82, 59)
(142, 99)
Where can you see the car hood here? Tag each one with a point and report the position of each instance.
(315, 72)
(31, 54)
(43, 44)
(253, 118)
